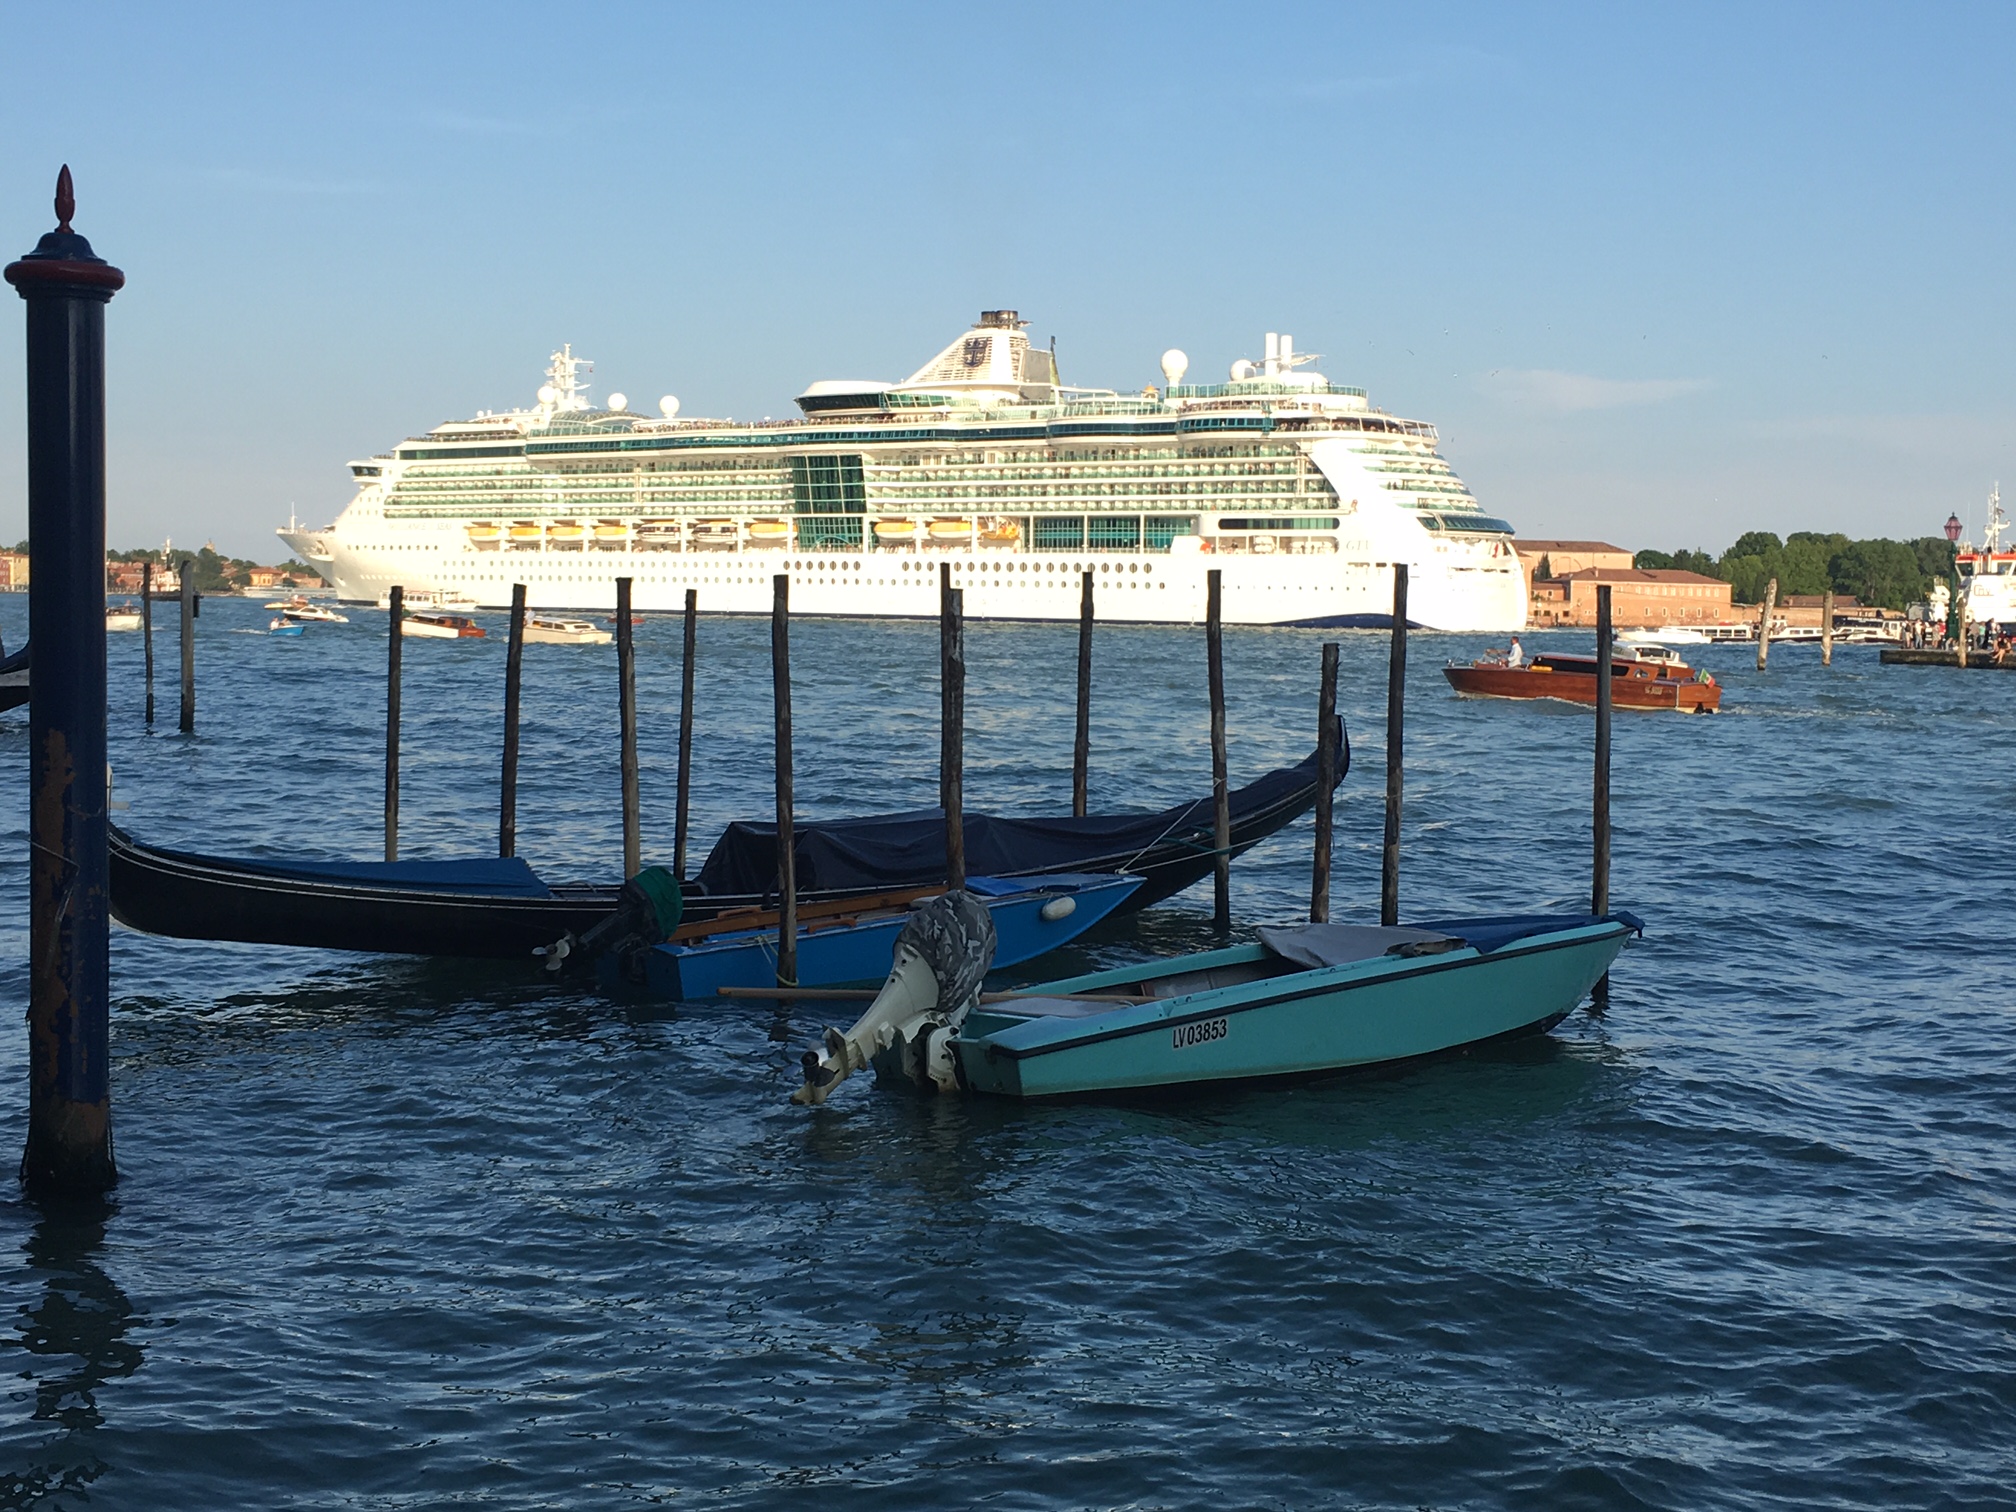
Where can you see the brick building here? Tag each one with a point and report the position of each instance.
(13, 571)
(1561, 558)
(1638, 599)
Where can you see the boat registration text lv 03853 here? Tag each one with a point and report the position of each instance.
(1186, 1035)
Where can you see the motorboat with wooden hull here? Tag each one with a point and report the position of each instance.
(443, 626)
(472, 908)
(1308, 1000)
(1643, 677)
(1031, 917)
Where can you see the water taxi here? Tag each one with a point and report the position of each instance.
(1641, 677)
(546, 630)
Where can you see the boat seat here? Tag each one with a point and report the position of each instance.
(1318, 945)
(1054, 1007)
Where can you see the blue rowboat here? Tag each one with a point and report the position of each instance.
(283, 626)
(1307, 1000)
(1031, 915)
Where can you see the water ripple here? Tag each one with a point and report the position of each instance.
(413, 1234)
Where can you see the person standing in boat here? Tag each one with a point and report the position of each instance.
(1516, 655)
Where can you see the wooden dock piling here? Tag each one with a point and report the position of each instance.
(1081, 743)
(1599, 862)
(1764, 623)
(189, 645)
(952, 724)
(1827, 629)
(66, 288)
(395, 636)
(147, 630)
(1221, 792)
(1326, 783)
(507, 786)
(626, 721)
(1396, 741)
(682, 807)
(787, 835)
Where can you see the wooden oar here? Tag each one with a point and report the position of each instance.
(767, 918)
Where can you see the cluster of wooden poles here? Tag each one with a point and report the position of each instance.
(1826, 626)
(192, 605)
(952, 742)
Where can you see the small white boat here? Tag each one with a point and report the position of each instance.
(1665, 635)
(122, 617)
(315, 613)
(542, 630)
(445, 601)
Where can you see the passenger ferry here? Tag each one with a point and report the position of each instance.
(1299, 491)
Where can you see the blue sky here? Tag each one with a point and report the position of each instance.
(1659, 277)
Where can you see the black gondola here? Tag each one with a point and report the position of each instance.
(14, 680)
(501, 909)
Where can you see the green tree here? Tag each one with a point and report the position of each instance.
(1879, 572)
(1804, 563)
(1651, 561)
(1935, 556)
(1757, 543)
(1695, 561)
(1746, 575)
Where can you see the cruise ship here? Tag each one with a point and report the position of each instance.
(1301, 493)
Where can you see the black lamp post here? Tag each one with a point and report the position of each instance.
(66, 287)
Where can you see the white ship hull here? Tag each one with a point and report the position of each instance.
(1302, 496)
(1009, 585)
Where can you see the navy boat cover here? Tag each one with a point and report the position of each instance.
(888, 851)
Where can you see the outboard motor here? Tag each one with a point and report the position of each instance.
(945, 950)
(648, 909)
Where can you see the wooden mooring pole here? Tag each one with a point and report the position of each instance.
(952, 724)
(507, 787)
(1081, 743)
(395, 636)
(147, 630)
(188, 645)
(682, 803)
(1827, 629)
(1396, 744)
(66, 287)
(1764, 623)
(1599, 861)
(626, 720)
(1221, 792)
(787, 835)
(1326, 783)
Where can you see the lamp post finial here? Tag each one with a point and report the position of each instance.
(66, 199)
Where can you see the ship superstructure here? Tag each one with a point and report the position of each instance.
(1988, 573)
(1303, 494)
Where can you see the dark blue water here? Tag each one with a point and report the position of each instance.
(400, 1234)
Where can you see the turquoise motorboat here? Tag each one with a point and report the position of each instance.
(1307, 1000)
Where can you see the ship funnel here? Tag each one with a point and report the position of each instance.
(1273, 362)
